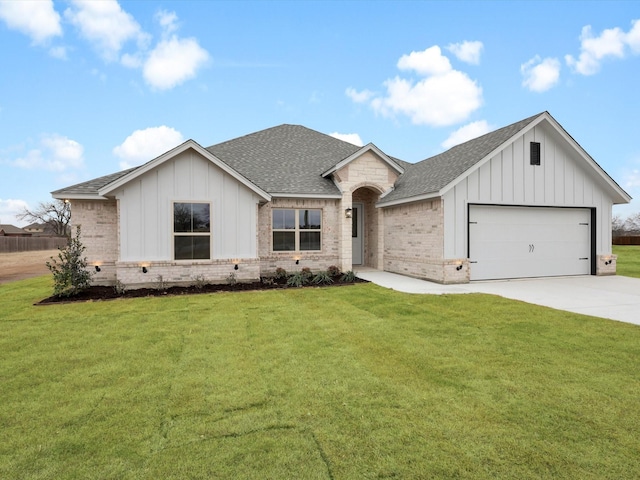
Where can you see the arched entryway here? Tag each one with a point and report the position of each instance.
(366, 228)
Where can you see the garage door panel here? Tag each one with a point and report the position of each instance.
(517, 242)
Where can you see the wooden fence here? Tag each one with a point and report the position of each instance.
(627, 240)
(29, 244)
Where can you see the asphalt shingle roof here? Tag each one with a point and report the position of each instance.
(434, 173)
(290, 159)
(286, 159)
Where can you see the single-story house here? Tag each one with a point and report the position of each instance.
(523, 201)
(13, 231)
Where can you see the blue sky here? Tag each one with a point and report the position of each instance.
(90, 87)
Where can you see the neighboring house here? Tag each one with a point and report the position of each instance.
(12, 231)
(40, 230)
(523, 201)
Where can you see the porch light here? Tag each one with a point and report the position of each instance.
(608, 261)
(348, 212)
(144, 270)
(459, 266)
(235, 266)
(97, 267)
(297, 261)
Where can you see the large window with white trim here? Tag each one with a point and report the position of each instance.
(191, 231)
(296, 229)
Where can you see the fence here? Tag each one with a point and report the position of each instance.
(29, 244)
(627, 240)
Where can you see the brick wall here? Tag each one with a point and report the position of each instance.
(413, 243)
(98, 222)
(316, 261)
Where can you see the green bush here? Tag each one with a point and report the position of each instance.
(70, 274)
(298, 279)
(322, 278)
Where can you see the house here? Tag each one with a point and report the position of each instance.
(523, 201)
(40, 230)
(13, 231)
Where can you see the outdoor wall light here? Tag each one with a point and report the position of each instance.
(608, 262)
(459, 267)
(144, 270)
(348, 212)
(97, 267)
(235, 267)
(297, 261)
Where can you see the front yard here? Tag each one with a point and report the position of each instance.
(349, 382)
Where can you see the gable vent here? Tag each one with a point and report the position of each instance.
(535, 153)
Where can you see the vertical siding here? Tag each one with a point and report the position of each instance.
(562, 179)
(146, 218)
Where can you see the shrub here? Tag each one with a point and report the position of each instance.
(333, 271)
(199, 282)
(349, 277)
(298, 279)
(280, 273)
(306, 271)
(322, 278)
(232, 279)
(70, 274)
(120, 288)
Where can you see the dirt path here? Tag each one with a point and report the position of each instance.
(18, 266)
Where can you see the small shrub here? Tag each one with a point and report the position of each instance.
(322, 278)
(348, 277)
(70, 274)
(160, 284)
(120, 288)
(280, 273)
(298, 279)
(267, 280)
(333, 271)
(232, 279)
(199, 282)
(306, 271)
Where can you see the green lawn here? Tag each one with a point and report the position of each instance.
(628, 263)
(336, 383)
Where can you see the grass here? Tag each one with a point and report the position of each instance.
(336, 383)
(628, 263)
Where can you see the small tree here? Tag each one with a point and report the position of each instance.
(70, 274)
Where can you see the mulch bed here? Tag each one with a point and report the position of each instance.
(97, 293)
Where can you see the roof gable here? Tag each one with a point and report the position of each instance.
(367, 148)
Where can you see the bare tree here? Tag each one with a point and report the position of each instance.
(632, 224)
(617, 226)
(56, 215)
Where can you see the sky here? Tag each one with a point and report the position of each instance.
(89, 88)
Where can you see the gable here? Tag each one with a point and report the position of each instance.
(367, 168)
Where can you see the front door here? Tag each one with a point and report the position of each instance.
(357, 234)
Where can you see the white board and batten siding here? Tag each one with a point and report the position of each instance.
(146, 209)
(561, 180)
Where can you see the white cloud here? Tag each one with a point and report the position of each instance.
(445, 97)
(468, 132)
(633, 37)
(593, 50)
(9, 208)
(359, 97)
(105, 25)
(174, 61)
(352, 138)
(38, 20)
(144, 145)
(55, 153)
(428, 62)
(466, 51)
(167, 20)
(540, 75)
(58, 52)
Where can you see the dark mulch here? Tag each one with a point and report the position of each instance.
(95, 293)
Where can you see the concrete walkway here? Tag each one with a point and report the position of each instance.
(612, 297)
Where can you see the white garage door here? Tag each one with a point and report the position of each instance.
(517, 242)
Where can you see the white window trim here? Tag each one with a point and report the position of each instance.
(175, 234)
(297, 230)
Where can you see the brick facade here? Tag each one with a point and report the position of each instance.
(413, 243)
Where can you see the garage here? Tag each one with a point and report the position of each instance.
(519, 242)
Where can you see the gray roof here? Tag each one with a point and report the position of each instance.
(91, 187)
(435, 173)
(290, 159)
(286, 159)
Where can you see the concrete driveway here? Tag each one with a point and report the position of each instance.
(612, 297)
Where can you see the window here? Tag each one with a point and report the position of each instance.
(535, 153)
(191, 231)
(296, 230)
